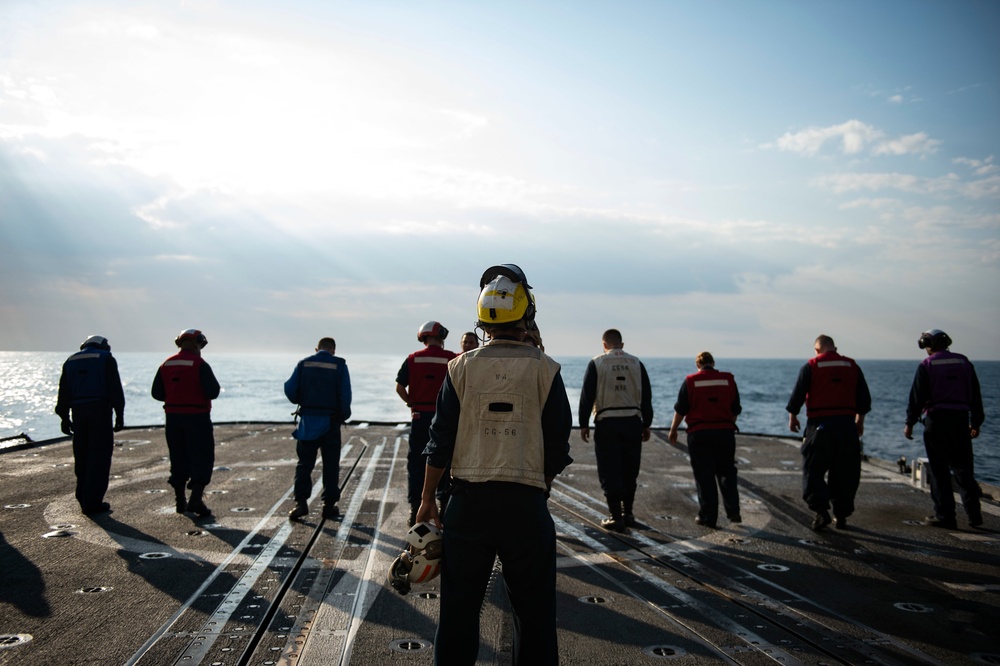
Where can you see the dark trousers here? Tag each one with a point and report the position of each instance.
(618, 448)
(713, 461)
(93, 444)
(474, 536)
(191, 444)
(415, 460)
(329, 447)
(831, 464)
(949, 454)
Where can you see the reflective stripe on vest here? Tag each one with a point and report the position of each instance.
(427, 369)
(85, 371)
(319, 386)
(833, 389)
(181, 377)
(710, 397)
(951, 381)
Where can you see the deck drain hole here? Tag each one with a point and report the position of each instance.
(409, 645)
(265, 469)
(809, 542)
(664, 651)
(772, 567)
(155, 491)
(242, 509)
(667, 517)
(16, 506)
(197, 533)
(94, 590)
(247, 478)
(913, 608)
(428, 595)
(986, 657)
(13, 640)
(64, 526)
(913, 522)
(222, 468)
(154, 556)
(593, 599)
(56, 534)
(736, 540)
(217, 492)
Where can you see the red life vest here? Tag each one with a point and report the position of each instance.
(427, 369)
(710, 397)
(833, 388)
(181, 375)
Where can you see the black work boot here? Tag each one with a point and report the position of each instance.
(196, 505)
(179, 499)
(615, 522)
(300, 509)
(627, 514)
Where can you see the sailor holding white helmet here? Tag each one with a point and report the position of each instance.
(503, 423)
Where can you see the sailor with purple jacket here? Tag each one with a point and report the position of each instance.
(946, 398)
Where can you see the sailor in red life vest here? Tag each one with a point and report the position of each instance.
(186, 385)
(417, 383)
(710, 402)
(946, 397)
(836, 397)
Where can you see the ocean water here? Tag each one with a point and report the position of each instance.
(252, 391)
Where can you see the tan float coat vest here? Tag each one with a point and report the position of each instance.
(619, 385)
(502, 388)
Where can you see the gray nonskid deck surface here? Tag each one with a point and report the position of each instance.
(144, 585)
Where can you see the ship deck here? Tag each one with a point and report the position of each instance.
(144, 585)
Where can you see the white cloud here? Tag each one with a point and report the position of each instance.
(911, 144)
(979, 167)
(855, 137)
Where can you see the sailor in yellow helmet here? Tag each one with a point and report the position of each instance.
(503, 422)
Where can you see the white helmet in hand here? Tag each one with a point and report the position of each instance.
(421, 562)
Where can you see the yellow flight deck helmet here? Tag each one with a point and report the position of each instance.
(506, 296)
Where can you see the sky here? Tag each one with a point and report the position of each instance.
(728, 176)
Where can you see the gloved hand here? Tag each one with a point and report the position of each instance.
(66, 426)
(119, 422)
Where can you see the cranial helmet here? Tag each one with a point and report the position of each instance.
(934, 339)
(98, 341)
(421, 562)
(432, 328)
(191, 334)
(505, 296)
